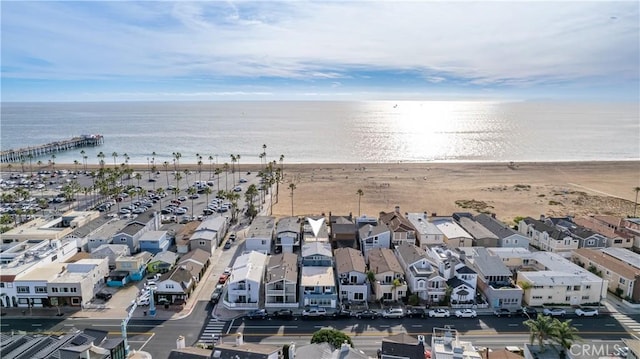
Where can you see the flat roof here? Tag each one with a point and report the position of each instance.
(451, 229)
(317, 276)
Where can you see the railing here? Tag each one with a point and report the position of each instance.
(239, 306)
(280, 292)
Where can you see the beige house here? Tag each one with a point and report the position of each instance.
(78, 283)
(402, 231)
(454, 235)
(621, 276)
(390, 283)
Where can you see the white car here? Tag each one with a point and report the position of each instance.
(466, 313)
(439, 313)
(142, 301)
(393, 313)
(587, 312)
(554, 312)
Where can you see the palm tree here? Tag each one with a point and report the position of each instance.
(165, 164)
(186, 177)
(233, 168)
(30, 156)
(160, 192)
(564, 334)
(178, 177)
(82, 153)
(282, 164)
(238, 160)
(540, 329)
(226, 172)
(394, 286)
(636, 189)
(101, 159)
(207, 191)
(114, 155)
(217, 173)
(191, 191)
(210, 166)
(360, 193)
(292, 187)
(264, 152)
(176, 158)
(53, 162)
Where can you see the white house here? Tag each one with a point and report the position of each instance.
(547, 238)
(78, 283)
(352, 275)
(417, 268)
(243, 286)
(454, 235)
(209, 234)
(287, 234)
(281, 281)
(260, 234)
(427, 234)
(374, 236)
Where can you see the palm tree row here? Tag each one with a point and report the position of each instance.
(546, 329)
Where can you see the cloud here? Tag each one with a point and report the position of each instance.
(477, 43)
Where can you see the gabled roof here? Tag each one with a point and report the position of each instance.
(465, 270)
(489, 264)
(145, 217)
(349, 260)
(326, 351)
(456, 282)
(553, 232)
(403, 345)
(316, 248)
(181, 275)
(383, 260)
(475, 229)
(396, 222)
(282, 266)
(288, 224)
(132, 228)
(166, 256)
(410, 253)
(496, 227)
(197, 255)
(110, 250)
(343, 228)
(261, 227)
(249, 266)
(369, 230)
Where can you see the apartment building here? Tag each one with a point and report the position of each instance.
(623, 278)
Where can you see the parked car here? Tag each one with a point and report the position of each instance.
(217, 293)
(366, 314)
(153, 277)
(142, 301)
(527, 312)
(587, 312)
(257, 314)
(342, 314)
(393, 313)
(416, 312)
(554, 312)
(314, 313)
(227, 271)
(232, 237)
(502, 312)
(223, 278)
(283, 314)
(466, 313)
(227, 245)
(104, 295)
(439, 313)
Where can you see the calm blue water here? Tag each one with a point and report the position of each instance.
(332, 132)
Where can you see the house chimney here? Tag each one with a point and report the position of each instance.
(397, 209)
(180, 343)
(292, 350)
(434, 214)
(421, 339)
(239, 339)
(424, 214)
(344, 348)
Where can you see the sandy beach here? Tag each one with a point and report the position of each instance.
(524, 189)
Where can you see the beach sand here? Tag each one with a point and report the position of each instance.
(524, 189)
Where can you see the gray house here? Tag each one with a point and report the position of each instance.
(482, 237)
(288, 231)
(507, 237)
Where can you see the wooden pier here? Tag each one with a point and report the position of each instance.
(13, 156)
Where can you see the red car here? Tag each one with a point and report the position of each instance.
(223, 278)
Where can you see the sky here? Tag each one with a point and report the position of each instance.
(319, 50)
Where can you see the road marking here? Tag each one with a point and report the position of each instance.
(417, 325)
(230, 325)
(36, 325)
(4, 325)
(385, 326)
(513, 324)
(577, 325)
(609, 325)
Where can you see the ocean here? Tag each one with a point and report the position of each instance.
(330, 132)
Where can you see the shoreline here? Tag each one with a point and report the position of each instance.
(568, 188)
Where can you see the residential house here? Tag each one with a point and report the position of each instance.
(402, 231)
(418, 269)
(603, 226)
(352, 275)
(135, 266)
(82, 233)
(162, 262)
(243, 286)
(482, 237)
(460, 278)
(623, 278)
(288, 236)
(18, 258)
(184, 234)
(209, 234)
(495, 280)
(307, 230)
(374, 236)
(260, 234)
(446, 343)
(78, 283)
(623, 254)
(427, 234)
(111, 252)
(244, 350)
(281, 281)
(325, 351)
(343, 232)
(37, 229)
(390, 283)
(546, 237)
(31, 286)
(403, 346)
(196, 261)
(88, 343)
(316, 254)
(176, 286)
(586, 237)
(632, 226)
(507, 236)
(454, 235)
(547, 277)
(131, 233)
(154, 242)
(317, 279)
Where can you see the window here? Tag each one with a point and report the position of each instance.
(622, 281)
(75, 301)
(567, 298)
(73, 290)
(201, 243)
(386, 296)
(537, 297)
(65, 289)
(54, 289)
(388, 279)
(169, 286)
(587, 287)
(576, 287)
(358, 296)
(1, 285)
(550, 297)
(22, 289)
(41, 289)
(585, 297)
(123, 239)
(617, 241)
(400, 294)
(591, 242)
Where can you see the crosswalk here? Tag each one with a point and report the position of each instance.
(629, 323)
(212, 330)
